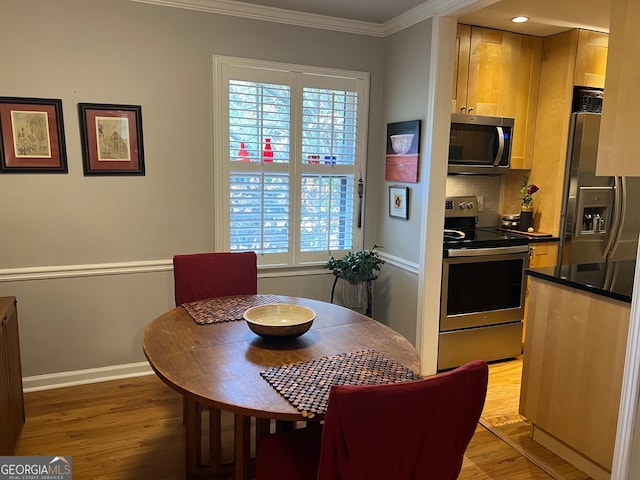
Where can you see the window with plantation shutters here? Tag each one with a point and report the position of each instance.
(289, 158)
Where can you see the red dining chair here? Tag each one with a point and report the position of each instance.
(220, 274)
(403, 431)
(197, 277)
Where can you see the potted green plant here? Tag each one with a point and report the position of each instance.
(357, 269)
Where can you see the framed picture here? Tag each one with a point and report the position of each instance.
(403, 151)
(32, 136)
(111, 137)
(399, 202)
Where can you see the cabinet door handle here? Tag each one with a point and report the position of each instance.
(463, 108)
(470, 109)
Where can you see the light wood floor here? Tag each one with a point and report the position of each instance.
(132, 430)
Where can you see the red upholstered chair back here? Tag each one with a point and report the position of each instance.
(207, 275)
(414, 430)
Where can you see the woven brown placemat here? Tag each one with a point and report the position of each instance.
(306, 385)
(225, 309)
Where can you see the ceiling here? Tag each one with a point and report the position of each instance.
(546, 16)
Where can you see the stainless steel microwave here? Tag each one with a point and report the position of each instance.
(480, 144)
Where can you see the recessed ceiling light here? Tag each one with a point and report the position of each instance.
(520, 19)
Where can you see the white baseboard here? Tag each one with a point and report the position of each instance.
(82, 377)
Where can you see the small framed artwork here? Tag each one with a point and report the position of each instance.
(403, 151)
(399, 202)
(32, 136)
(111, 137)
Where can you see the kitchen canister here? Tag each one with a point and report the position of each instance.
(526, 218)
(511, 221)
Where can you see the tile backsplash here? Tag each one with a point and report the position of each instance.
(486, 188)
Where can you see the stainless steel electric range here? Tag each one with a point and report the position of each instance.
(483, 288)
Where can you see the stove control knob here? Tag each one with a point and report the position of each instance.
(470, 205)
(463, 205)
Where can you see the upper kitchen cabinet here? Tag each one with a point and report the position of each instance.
(461, 69)
(619, 143)
(569, 59)
(591, 58)
(497, 73)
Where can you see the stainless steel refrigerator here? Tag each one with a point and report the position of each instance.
(600, 215)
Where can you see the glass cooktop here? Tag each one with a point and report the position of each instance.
(483, 237)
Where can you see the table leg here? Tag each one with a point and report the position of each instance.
(242, 440)
(215, 439)
(193, 430)
(263, 428)
(203, 462)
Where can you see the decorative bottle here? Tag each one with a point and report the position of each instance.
(267, 153)
(243, 155)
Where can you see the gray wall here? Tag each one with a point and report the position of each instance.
(89, 258)
(160, 58)
(406, 82)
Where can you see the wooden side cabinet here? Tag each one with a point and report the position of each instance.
(11, 397)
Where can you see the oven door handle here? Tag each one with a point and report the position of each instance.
(484, 252)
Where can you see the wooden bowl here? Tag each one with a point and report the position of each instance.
(279, 319)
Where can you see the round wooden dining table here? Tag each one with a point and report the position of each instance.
(219, 365)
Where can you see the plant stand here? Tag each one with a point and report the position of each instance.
(368, 293)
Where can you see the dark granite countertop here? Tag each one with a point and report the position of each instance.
(610, 279)
(534, 237)
(539, 239)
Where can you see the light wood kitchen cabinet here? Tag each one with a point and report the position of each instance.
(461, 69)
(567, 58)
(591, 58)
(11, 396)
(619, 143)
(543, 254)
(572, 373)
(497, 73)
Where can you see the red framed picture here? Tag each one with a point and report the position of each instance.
(403, 151)
(111, 137)
(32, 136)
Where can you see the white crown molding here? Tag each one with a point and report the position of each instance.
(278, 15)
(430, 9)
(271, 14)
